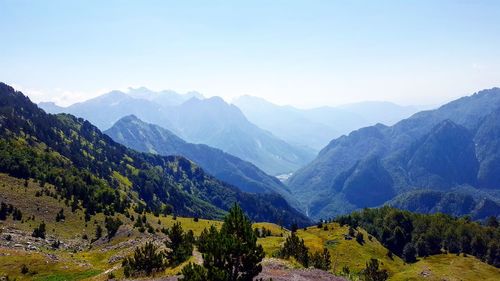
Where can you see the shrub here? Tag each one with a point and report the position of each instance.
(98, 232)
(24, 269)
(147, 260)
(360, 238)
(321, 260)
(39, 232)
(60, 215)
(112, 225)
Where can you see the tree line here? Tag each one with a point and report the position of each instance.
(411, 235)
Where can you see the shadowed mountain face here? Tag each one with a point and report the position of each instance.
(209, 121)
(88, 166)
(316, 127)
(136, 134)
(444, 149)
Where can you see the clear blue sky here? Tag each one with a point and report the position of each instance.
(303, 53)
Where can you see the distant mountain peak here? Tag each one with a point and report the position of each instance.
(216, 100)
(195, 94)
(192, 100)
(130, 118)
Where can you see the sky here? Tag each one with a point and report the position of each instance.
(302, 53)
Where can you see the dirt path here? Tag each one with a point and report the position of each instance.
(280, 270)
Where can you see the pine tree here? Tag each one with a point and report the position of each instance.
(179, 243)
(194, 272)
(112, 225)
(295, 247)
(3, 211)
(147, 260)
(321, 260)
(39, 232)
(492, 222)
(98, 232)
(360, 238)
(231, 253)
(409, 253)
(372, 272)
(60, 215)
(421, 247)
(327, 259)
(17, 215)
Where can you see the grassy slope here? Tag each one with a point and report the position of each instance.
(93, 264)
(350, 253)
(71, 266)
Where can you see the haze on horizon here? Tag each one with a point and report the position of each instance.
(303, 53)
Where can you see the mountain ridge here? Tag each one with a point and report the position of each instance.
(435, 149)
(209, 121)
(315, 127)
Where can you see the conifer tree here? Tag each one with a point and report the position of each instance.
(39, 232)
(147, 260)
(231, 253)
(372, 272)
(179, 243)
(409, 253)
(295, 247)
(194, 272)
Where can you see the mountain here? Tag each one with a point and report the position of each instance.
(90, 169)
(208, 121)
(214, 122)
(105, 110)
(136, 134)
(51, 107)
(455, 146)
(317, 126)
(387, 113)
(286, 122)
(164, 98)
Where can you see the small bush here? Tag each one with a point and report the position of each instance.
(39, 232)
(147, 260)
(24, 269)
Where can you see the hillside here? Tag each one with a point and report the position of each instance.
(78, 258)
(136, 134)
(451, 149)
(208, 121)
(89, 168)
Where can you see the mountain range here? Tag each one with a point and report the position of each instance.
(447, 159)
(136, 134)
(197, 120)
(90, 169)
(315, 127)
(441, 160)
